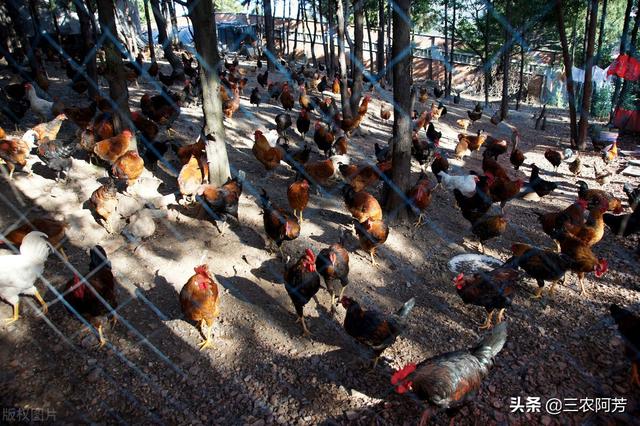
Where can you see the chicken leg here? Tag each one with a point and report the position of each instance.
(305, 330)
(101, 340)
(501, 315)
(583, 291)
(635, 377)
(206, 330)
(426, 416)
(538, 294)
(39, 298)
(419, 221)
(487, 324)
(15, 316)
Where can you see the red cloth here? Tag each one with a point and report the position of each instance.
(628, 120)
(626, 67)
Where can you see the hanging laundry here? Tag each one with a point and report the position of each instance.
(600, 77)
(578, 75)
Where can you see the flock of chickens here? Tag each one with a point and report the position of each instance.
(444, 381)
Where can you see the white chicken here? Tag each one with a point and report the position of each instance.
(465, 184)
(19, 272)
(40, 106)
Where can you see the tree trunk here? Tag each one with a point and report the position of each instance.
(588, 77)
(332, 49)
(389, 73)
(504, 102)
(152, 50)
(174, 22)
(312, 37)
(118, 90)
(623, 48)
(325, 47)
(453, 42)
(568, 65)
(586, 33)
(206, 43)
(486, 65)
(315, 33)
(401, 155)
(288, 27)
(380, 52)
(446, 43)
(342, 60)
(268, 31)
(88, 38)
(520, 79)
(295, 35)
(601, 35)
(161, 24)
(368, 24)
(357, 61)
(574, 39)
(19, 17)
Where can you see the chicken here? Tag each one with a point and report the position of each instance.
(319, 172)
(348, 124)
(554, 157)
(598, 197)
(200, 302)
(230, 106)
(303, 123)
(13, 108)
(438, 92)
(190, 179)
(146, 127)
(54, 229)
(296, 158)
(56, 155)
(332, 263)
(575, 167)
(516, 157)
(449, 380)
(371, 234)
(473, 142)
(129, 166)
(104, 204)
(374, 329)
(493, 290)
(255, 98)
(462, 148)
(538, 185)
(629, 327)
(610, 152)
(582, 259)
(41, 107)
(164, 108)
(93, 297)
(474, 207)
(420, 197)
(335, 88)
(437, 111)
(503, 189)
(433, 135)
(222, 201)
(494, 147)
(623, 225)
(49, 129)
(361, 205)
(323, 137)
(463, 123)
(14, 153)
(302, 282)
(592, 231)
(113, 148)
(103, 127)
(363, 175)
(19, 272)
(279, 224)
(197, 149)
(474, 115)
(554, 223)
(270, 157)
(466, 184)
(283, 122)
(263, 79)
(541, 264)
(385, 112)
(488, 227)
(423, 96)
(81, 116)
(298, 196)
(286, 98)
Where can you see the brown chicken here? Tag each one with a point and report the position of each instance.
(222, 201)
(420, 197)
(335, 88)
(463, 123)
(556, 222)
(54, 229)
(348, 124)
(51, 128)
(423, 95)
(598, 197)
(582, 259)
(447, 381)
(302, 283)
(113, 148)
(323, 137)
(629, 327)
(164, 109)
(298, 195)
(279, 224)
(184, 153)
(147, 128)
(103, 127)
(286, 98)
(554, 157)
(439, 164)
(541, 264)
(462, 147)
(517, 157)
(332, 264)
(81, 116)
(372, 234)
(87, 295)
(363, 175)
(270, 157)
(592, 231)
(503, 189)
(474, 142)
(492, 290)
(14, 153)
(129, 167)
(190, 179)
(230, 106)
(200, 302)
(488, 227)
(361, 205)
(385, 112)
(319, 172)
(104, 203)
(475, 207)
(3, 134)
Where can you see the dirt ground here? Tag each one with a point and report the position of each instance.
(261, 370)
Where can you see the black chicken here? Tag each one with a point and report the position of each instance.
(537, 184)
(255, 98)
(302, 282)
(629, 327)
(283, 122)
(332, 264)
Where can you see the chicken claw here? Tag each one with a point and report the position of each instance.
(419, 221)
(39, 298)
(101, 340)
(208, 341)
(15, 316)
(487, 324)
(305, 330)
(501, 315)
(538, 294)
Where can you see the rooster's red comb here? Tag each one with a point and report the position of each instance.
(202, 269)
(402, 374)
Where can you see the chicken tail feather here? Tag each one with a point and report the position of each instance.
(406, 309)
(491, 344)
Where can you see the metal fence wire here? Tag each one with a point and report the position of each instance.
(149, 370)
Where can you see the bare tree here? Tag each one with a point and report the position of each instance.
(325, 47)
(342, 60)
(161, 24)
(206, 42)
(401, 173)
(118, 90)
(588, 77)
(268, 30)
(380, 52)
(152, 50)
(88, 39)
(368, 24)
(568, 65)
(19, 16)
(332, 49)
(357, 54)
(453, 42)
(295, 36)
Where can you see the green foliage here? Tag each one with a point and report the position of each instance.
(602, 101)
(231, 6)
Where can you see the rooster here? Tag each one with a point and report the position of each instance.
(554, 157)
(302, 282)
(449, 380)
(223, 201)
(279, 224)
(374, 329)
(420, 197)
(269, 156)
(56, 155)
(371, 234)
(113, 148)
(128, 167)
(332, 264)
(199, 299)
(51, 128)
(94, 296)
(19, 272)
